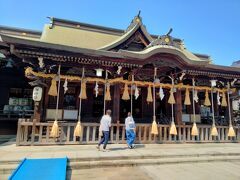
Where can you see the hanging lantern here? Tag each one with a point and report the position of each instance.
(224, 100)
(171, 99)
(214, 131)
(99, 72)
(187, 98)
(207, 100)
(149, 95)
(55, 130)
(53, 88)
(108, 95)
(173, 129)
(194, 131)
(125, 95)
(78, 130)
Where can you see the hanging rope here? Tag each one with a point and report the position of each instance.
(131, 94)
(55, 129)
(214, 129)
(78, 128)
(173, 129)
(194, 131)
(154, 129)
(29, 72)
(231, 132)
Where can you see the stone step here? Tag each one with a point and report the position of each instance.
(7, 169)
(139, 162)
(133, 157)
(105, 158)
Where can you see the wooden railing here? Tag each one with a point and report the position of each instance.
(38, 133)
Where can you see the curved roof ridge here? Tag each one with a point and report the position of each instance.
(184, 54)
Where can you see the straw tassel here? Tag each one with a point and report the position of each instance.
(154, 129)
(55, 130)
(83, 94)
(53, 88)
(214, 131)
(108, 96)
(194, 131)
(187, 97)
(207, 100)
(78, 130)
(125, 95)
(173, 129)
(224, 100)
(149, 95)
(231, 132)
(171, 99)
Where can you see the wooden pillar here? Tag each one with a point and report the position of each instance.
(37, 111)
(116, 103)
(45, 101)
(178, 107)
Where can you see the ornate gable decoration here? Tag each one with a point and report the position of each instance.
(164, 40)
(137, 20)
(135, 38)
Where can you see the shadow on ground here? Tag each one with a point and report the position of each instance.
(137, 146)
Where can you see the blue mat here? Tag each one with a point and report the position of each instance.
(44, 169)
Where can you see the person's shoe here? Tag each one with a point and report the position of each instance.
(98, 147)
(130, 147)
(133, 146)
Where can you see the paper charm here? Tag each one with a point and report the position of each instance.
(195, 97)
(40, 62)
(96, 89)
(119, 70)
(136, 94)
(65, 86)
(161, 93)
(218, 98)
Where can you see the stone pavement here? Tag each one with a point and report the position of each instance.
(149, 161)
(189, 171)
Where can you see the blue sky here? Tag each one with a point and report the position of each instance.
(207, 26)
